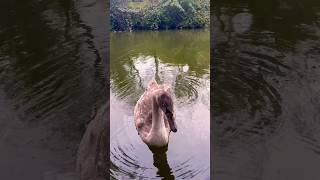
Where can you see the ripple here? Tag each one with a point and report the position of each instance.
(246, 103)
(266, 89)
(47, 66)
(132, 68)
(143, 68)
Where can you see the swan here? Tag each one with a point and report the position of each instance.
(154, 115)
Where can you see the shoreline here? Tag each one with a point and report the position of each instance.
(164, 30)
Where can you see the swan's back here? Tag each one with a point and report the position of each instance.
(143, 109)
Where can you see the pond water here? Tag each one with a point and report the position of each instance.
(266, 95)
(51, 82)
(180, 59)
(265, 100)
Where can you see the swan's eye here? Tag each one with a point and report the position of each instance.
(168, 111)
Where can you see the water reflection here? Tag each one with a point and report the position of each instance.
(146, 56)
(44, 71)
(160, 161)
(263, 57)
(181, 60)
(51, 72)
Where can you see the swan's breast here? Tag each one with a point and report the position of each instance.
(159, 139)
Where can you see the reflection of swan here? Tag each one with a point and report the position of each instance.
(154, 115)
(161, 163)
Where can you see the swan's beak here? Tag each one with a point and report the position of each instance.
(173, 126)
(172, 123)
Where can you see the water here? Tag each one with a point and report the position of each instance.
(52, 81)
(266, 94)
(181, 60)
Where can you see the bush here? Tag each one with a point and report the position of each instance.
(169, 14)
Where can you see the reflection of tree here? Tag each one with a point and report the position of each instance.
(46, 68)
(245, 63)
(240, 68)
(239, 82)
(133, 67)
(126, 81)
(156, 75)
(284, 17)
(186, 85)
(174, 49)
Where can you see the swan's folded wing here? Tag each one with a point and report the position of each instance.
(143, 115)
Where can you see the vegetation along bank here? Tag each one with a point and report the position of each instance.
(127, 15)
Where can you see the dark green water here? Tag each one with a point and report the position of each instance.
(51, 82)
(266, 61)
(181, 60)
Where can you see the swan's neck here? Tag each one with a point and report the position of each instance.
(157, 118)
(158, 135)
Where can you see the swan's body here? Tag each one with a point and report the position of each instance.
(154, 115)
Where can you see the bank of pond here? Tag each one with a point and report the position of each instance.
(158, 15)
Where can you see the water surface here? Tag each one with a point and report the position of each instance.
(266, 89)
(181, 60)
(51, 83)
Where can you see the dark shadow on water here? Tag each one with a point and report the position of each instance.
(51, 75)
(265, 88)
(160, 161)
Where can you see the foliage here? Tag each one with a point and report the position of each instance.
(167, 14)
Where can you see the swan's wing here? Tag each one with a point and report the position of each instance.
(143, 114)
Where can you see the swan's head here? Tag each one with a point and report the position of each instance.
(166, 104)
